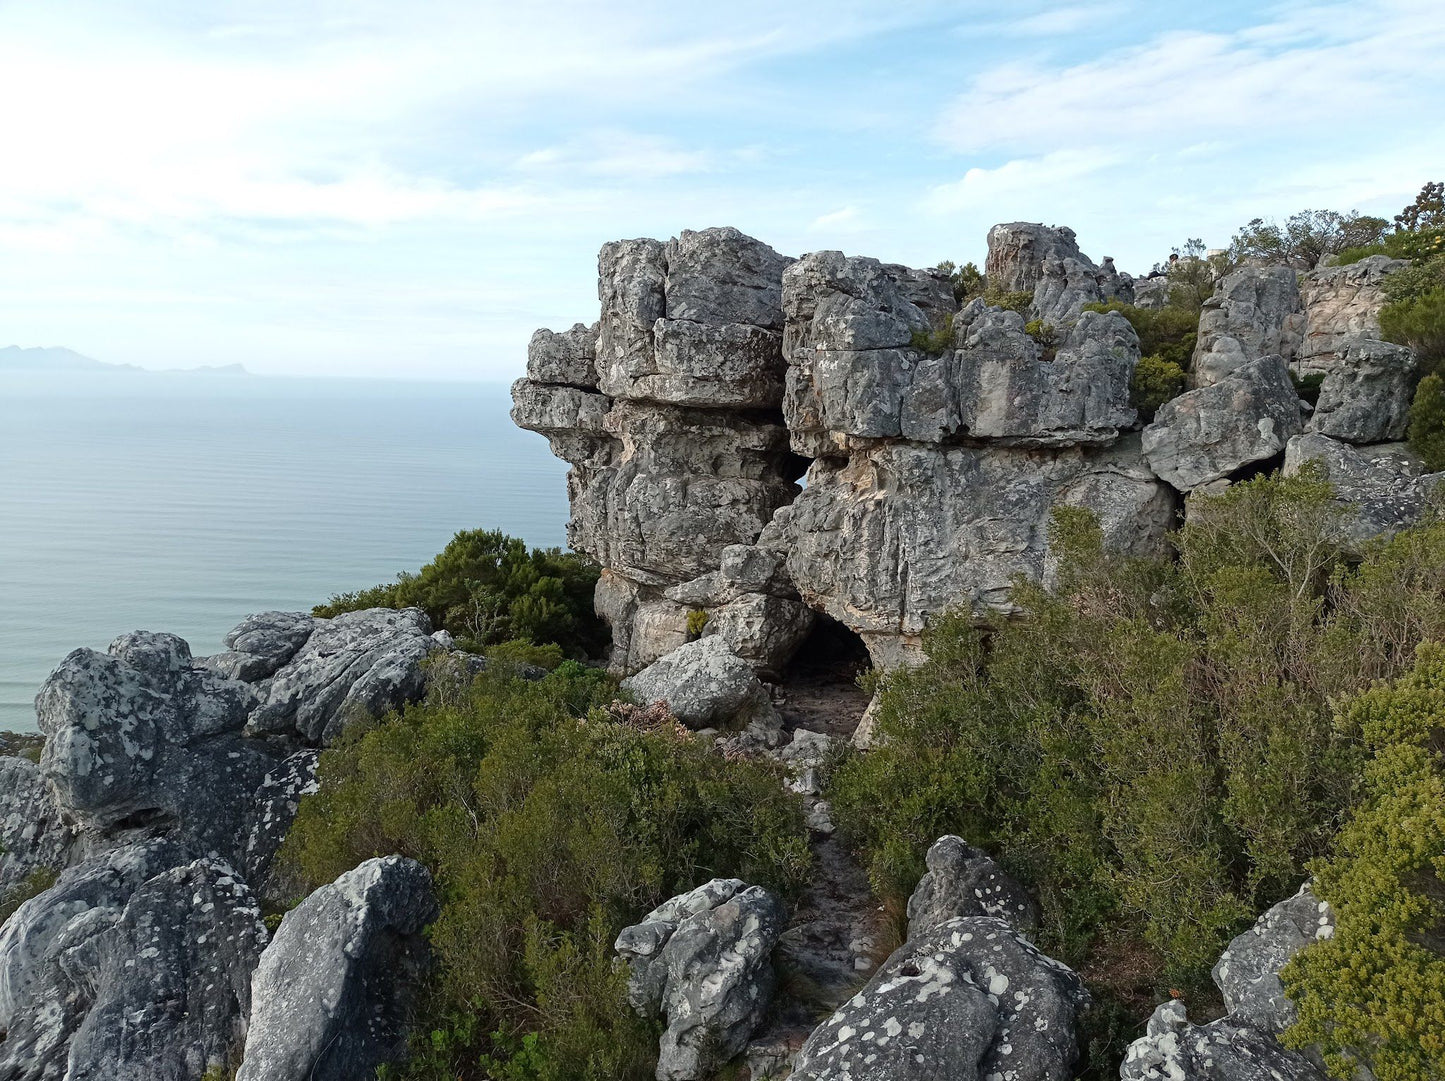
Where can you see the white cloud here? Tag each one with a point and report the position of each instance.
(1022, 181)
(843, 220)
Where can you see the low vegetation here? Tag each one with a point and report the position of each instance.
(1150, 747)
(551, 816)
(32, 885)
(487, 588)
(1373, 994)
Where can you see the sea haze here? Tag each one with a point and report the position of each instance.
(181, 502)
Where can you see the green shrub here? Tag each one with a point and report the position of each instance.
(487, 588)
(935, 341)
(1420, 324)
(549, 823)
(32, 885)
(1307, 386)
(1427, 422)
(1168, 333)
(696, 622)
(1417, 279)
(1151, 745)
(1014, 302)
(967, 280)
(1154, 382)
(1373, 993)
(1046, 334)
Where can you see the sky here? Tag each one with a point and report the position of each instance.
(409, 190)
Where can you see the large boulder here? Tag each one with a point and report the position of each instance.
(1017, 252)
(274, 809)
(1253, 314)
(1206, 434)
(172, 979)
(331, 994)
(565, 358)
(141, 738)
(964, 881)
(969, 1000)
(260, 644)
(1247, 973)
(702, 961)
(49, 955)
(1365, 395)
(1172, 1049)
(705, 685)
(358, 665)
(1381, 489)
(1342, 304)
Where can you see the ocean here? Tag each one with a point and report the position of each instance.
(183, 502)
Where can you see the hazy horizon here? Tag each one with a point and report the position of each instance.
(357, 189)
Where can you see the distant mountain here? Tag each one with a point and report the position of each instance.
(14, 358)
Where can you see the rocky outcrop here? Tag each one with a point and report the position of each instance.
(1206, 434)
(357, 665)
(1247, 973)
(963, 881)
(1172, 1049)
(1342, 305)
(1380, 490)
(1254, 313)
(702, 961)
(172, 979)
(1365, 395)
(969, 999)
(331, 994)
(1017, 252)
(33, 835)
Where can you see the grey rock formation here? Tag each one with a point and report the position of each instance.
(1342, 304)
(702, 961)
(1247, 973)
(1017, 252)
(1208, 433)
(50, 950)
(964, 881)
(274, 808)
(1225, 1050)
(357, 665)
(1365, 396)
(885, 539)
(330, 996)
(1151, 293)
(138, 737)
(260, 644)
(1253, 314)
(1380, 490)
(705, 685)
(172, 979)
(968, 1000)
(33, 836)
(566, 358)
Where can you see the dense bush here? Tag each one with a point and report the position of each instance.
(1154, 382)
(487, 588)
(1014, 302)
(1166, 333)
(1306, 237)
(1150, 746)
(1427, 422)
(1373, 994)
(549, 822)
(967, 280)
(1420, 324)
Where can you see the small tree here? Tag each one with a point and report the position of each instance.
(1426, 212)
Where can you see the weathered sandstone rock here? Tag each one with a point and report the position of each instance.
(1206, 434)
(1365, 396)
(172, 979)
(968, 1000)
(566, 358)
(702, 961)
(1018, 250)
(1247, 973)
(331, 994)
(1381, 491)
(1342, 304)
(1225, 1050)
(1253, 314)
(705, 685)
(963, 881)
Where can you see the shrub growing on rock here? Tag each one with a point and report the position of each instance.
(487, 588)
(1427, 422)
(1420, 324)
(549, 823)
(1154, 382)
(1373, 993)
(1150, 745)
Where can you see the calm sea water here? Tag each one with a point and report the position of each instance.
(181, 503)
